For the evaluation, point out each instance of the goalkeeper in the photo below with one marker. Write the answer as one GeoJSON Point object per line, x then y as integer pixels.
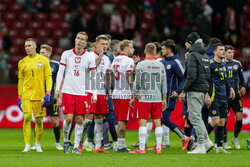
{"type": "Point", "coordinates": [33, 72]}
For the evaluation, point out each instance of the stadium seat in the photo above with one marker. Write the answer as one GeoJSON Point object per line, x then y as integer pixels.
{"type": "Point", "coordinates": [14, 51]}
{"type": "Point", "coordinates": [51, 41]}
{"type": "Point", "coordinates": [13, 33]}
{"type": "Point", "coordinates": [34, 25]}
{"type": "Point", "coordinates": [58, 51]}
{"type": "Point", "coordinates": [3, 8]}
{"type": "Point", "coordinates": [19, 25]}
{"type": "Point", "coordinates": [18, 42]}
{"type": "Point", "coordinates": [41, 33]}
{"type": "Point", "coordinates": [10, 16]}
{"type": "Point", "coordinates": [56, 17]}
{"type": "Point", "coordinates": [16, 8]}
{"type": "Point", "coordinates": [41, 16]}
{"type": "Point", "coordinates": [50, 25]}
{"type": "Point", "coordinates": [59, 33]}
{"type": "Point", "coordinates": [24, 16]}
{"type": "Point", "coordinates": [28, 34]}
{"type": "Point", "coordinates": [91, 9]}
{"type": "Point", "coordinates": [65, 26]}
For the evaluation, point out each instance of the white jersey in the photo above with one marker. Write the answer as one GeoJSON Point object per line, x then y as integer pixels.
{"type": "Point", "coordinates": [158, 58]}
{"type": "Point", "coordinates": [101, 70]}
{"type": "Point", "coordinates": [75, 68]}
{"type": "Point", "coordinates": [121, 65]}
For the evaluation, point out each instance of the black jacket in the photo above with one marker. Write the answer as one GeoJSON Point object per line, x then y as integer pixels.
{"type": "Point", "coordinates": [197, 73]}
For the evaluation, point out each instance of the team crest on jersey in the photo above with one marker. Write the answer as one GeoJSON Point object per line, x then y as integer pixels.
{"type": "Point", "coordinates": [229, 67]}
{"type": "Point", "coordinates": [77, 59]}
{"type": "Point", "coordinates": [168, 66]}
{"type": "Point", "coordinates": [51, 69]}
{"type": "Point", "coordinates": [216, 69]}
{"type": "Point", "coordinates": [40, 64]}
{"type": "Point", "coordinates": [224, 68]}
{"type": "Point", "coordinates": [214, 112]}
{"type": "Point", "coordinates": [235, 67]}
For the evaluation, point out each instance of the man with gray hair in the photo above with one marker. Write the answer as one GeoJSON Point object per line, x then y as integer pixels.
{"type": "Point", "coordinates": [196, 87]}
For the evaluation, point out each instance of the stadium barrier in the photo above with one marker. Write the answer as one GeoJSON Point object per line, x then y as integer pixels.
{"type": "Point", "coordinates": [12, 117]}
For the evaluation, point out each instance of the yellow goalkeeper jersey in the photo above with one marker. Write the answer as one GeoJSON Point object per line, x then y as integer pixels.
{"type": "Point", "coordinates": [33, 71]}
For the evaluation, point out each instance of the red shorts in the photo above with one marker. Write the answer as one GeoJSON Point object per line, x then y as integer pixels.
{"type": "Point", "coordinates": [74, 104]}
{"type": "Point", "coordinates": [135, 109]}
{"type": "Point", "coordinates": [145, 108]}
{"type": "Point", "coordinates": [122, 109]}
{"type": "Point", "coordinates": [101, 105]}
{"type": "Point", "coordinates": [91, 109]}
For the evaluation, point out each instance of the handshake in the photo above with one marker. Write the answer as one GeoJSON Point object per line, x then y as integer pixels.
{"type": "Point", "coordinates": [45, 101]}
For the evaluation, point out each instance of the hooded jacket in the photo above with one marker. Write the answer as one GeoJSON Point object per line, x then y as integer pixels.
{"type": "Point", "coordinates": [209, 52]}
{"type": "Point", "coordinates": [197, 71]}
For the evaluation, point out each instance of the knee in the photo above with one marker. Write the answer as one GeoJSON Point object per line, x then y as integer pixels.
{"type": "Point", "coordinates": [27, 117]}
{"type": "Point", "coordinates": [39, 121]}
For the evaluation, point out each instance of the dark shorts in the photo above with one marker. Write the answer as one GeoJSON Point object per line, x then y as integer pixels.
{"type": "Point", "coordinates": [52, 109]}
{"type": "Point", "coordinates": [185, 113]}
{"type": "Point", "coordinates": [218, 109]}
{"type": "Point", "coordinates": [236, 105]}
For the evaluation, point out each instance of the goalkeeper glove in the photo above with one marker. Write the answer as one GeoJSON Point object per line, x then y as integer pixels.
{"type": "Point", "coordinates": [20, 103]}
{"type": "Point", "coordinates": [46, 99]}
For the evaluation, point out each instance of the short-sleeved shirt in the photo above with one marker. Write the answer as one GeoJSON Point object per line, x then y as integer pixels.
{"type": "Point", "coordinates": [121, 65]}
{"type": "Point", "coordinates": [77, 68]}
{"type": "Point", "coordinates": [101, 70]}
{"type": "Point", "coordinates": [33, 71]}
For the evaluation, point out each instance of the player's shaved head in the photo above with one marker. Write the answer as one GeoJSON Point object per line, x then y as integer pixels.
{"type": "Point", "coordinates": [30, 40]}
{"type": "Point", "coordinates": [150, 49]}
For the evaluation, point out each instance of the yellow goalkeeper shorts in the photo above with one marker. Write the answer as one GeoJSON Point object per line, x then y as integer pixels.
{"type": "Point", "coordinates": [34, 105]}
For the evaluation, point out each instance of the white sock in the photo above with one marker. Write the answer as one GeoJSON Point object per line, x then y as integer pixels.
{"type": "Point", "coordinates": [166, 140]}
{"type": "Point", "coordinates": [99, 133]}
{"type": "Point", "coordinates": [121, 143]}
{"type": "Point", "coordinates": [158, 137]}
{"type": "Point", "coordinates": [86, 124]}
{"type": "Point", "coordinates": [78, 134]}
{"type": "Point", "coordinates": [149, 126]}
{"type": "Point", "coordinates": [142, 137]}
{"type": "Point", "coordinates": [116, 127]}
{"type": "Point", "coordinates": [66, 128]}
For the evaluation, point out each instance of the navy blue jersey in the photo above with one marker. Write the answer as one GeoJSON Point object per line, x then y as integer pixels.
{"type": "Point", "coordinates": [235, 76]}
{"type": "Point", "coordinates": [54, 69]}
{"type": "Point", "coordinates": [110, 56]}
{"type": "Point", "coordinates": [175, 78]}
{"type": "Point", "coordinates": [218, 83]}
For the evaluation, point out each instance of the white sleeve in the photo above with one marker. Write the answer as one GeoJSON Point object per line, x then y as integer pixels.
{"type": "Point", "coordinates": [130, 65]}
{"type": "Point", "coordinates": [92, 65]}
{"type": "Point", "coordinates": [61, 70]}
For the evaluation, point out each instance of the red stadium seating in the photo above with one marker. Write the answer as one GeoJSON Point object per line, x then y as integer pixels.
{"type": "Point", "coordinates": [18, 42]}
{"type": "Point", "coordinates": [65, 26]}
{"type": "Point", "coordinates": [24, 16]}
{"type": "Point", "coordinates": [19, 25]}
{"type": "Point", "coordinates": [16, 7]}
{"type": "Point", "coordinates": [9, 16]}
{"type": "Point", "coordinates": [40, 33]}
{"type": "Point", "coordinates": [56, 17]}
{"type": "Point", "coordinates": [35, 25]}
{"type": "Point", "coordinates": [28, 34]}
{"type": "Point", "coordinates": [50, 25]}
{"type": "Point", "coordinates": [13, 33]}
{"type": "Point", "coordinates": [58, 51]}
{"type": "Point", "coordinates": [41, 16]}
{"type": "Point", "coordinates": [14, 51]}
{"type": "Point", "coordinates": [51, 41]}
{"type": "Point", "coordinates": [3, 8]}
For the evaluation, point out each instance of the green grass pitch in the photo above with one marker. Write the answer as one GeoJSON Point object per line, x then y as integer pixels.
{"type": "Point", "coordinates": [12, 143]}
